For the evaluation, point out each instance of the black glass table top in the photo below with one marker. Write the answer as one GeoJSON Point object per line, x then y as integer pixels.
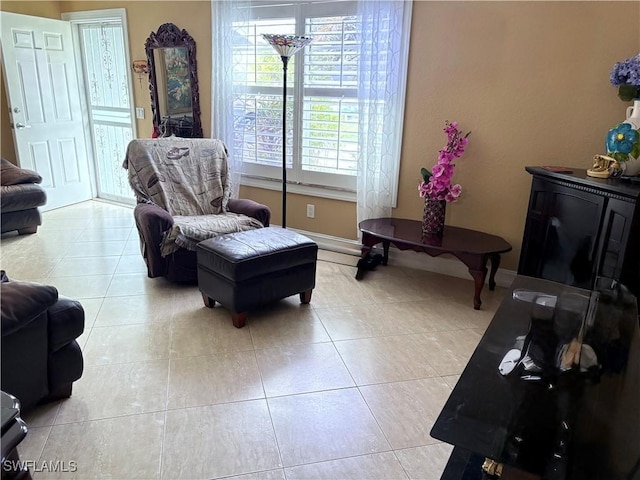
{"type": "Point", "coordinates": [553, 387]}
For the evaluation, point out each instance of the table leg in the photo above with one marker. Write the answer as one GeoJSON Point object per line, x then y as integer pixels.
{"type": "Point", "coordinates": [361, 262]}
{"type": "Point", "coordinates": [479, 277]}
{"type": "Point", "coordinates": [368, 241]}
{"type": "Point", "coordinates": [495, 263]}
{"type": "Point", "coordinates": [385, 251]}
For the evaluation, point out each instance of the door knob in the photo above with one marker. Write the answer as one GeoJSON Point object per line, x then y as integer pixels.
{"type": "Point", "coordinates": [20, 126]}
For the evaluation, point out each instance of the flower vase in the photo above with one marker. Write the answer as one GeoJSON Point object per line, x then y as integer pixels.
{"type": "Point", "coordinates": [433, 217]}
{"type": "Point", "coordinates": [632, 166]}
{"type": "Point", "coordinates": [633, 114]}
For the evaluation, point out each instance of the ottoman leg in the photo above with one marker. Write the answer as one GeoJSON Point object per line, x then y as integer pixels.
{"type": "Point", "coordinates": [239, 319]}
{"type": "Point", "coordinates": [208, 301]}
{"type": "Point", "coordinates": [305, 297]}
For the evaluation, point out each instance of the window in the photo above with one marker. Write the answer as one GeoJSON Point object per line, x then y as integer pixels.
{"type": "Point", "coordinates": [345, 95]}
{"type": "Point", "coordinates": [322, 103]}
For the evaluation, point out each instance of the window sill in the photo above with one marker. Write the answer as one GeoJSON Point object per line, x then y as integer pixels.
{"type": "Point", "coordinates": [310, 190]}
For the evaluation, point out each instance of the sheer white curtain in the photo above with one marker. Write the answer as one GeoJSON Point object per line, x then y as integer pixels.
{"type": "Point", "coordinates": [228, 19]}
{"type": "Point", "coordinates": [384, 46]}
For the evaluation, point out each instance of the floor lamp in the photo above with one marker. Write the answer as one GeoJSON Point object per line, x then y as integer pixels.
{"type": "Point", "coordinates": [286, 46]}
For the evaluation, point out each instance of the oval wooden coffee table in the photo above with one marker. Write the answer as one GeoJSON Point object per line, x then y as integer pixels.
{"type": "Point", "coordinates": [471, 247]}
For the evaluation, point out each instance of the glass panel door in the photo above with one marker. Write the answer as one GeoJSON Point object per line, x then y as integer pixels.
{"type": "Point", "coordinates": [108, 97]}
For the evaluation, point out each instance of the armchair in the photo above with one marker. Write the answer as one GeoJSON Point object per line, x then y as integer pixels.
{"type": "Point", "coordinates": [40, 356]}
{"type": "Point", "coordinates": [20, 197]}
{"type": "Point", "coordinates": [183, 187]}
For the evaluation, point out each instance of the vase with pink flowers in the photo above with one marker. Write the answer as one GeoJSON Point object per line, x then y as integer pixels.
{"type": "Point", "coordinates": [436, 186]}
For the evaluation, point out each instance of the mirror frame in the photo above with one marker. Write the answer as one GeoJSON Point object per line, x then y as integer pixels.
{"type": "Point", "coordinates": [169, 36]}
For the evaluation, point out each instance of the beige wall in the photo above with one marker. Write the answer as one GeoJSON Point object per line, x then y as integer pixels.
{"type": "Point", "coordinates": [530, 79]}
{"type": "Point", "coordinates": [145, 17]}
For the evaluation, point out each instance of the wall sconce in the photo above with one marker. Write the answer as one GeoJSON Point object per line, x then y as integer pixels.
{"type": "Point", "coordinates": [141, 67]}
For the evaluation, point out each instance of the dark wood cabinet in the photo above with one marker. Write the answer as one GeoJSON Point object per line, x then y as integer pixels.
{"type": "Point", "coordinates": [579, 228]}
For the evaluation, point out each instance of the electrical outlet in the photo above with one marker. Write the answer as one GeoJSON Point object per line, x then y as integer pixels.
{"type": "Point", "coordinates": [140, 112]}
{"type": "Point", "coordinates": [311, 211]}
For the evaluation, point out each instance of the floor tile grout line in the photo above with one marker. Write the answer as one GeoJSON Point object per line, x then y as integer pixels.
{"type": "Point", "coordinates": [337, 459]}
{"type": "Point", "coordinates": [354, 456]}
{"type": "Point", "coordinates": [406, 473]}
{"type": "Point", "coordinates": [225, 477]}
{"type": "Point", "coordinates": [331, 339]}
{"type": "Point", "coordinates": [44, 444]}
{"type": "Point", "coordinates": [166, 413]}
{"type": "Point", "coordinates": [111, 417]}
{"type": "Point", "coordinates": [266, 401]}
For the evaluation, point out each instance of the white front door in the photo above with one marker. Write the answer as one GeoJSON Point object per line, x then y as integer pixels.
{"type": "Point", "coordinates": [44, 101]}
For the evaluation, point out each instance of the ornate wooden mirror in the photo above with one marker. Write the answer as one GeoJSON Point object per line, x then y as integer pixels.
{"type": "Point", "coordinates": [173, 82]}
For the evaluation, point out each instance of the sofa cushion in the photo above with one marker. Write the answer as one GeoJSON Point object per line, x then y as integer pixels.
{"type": "Point", "coordinates": [13, 175]}
{"type": "Point", "coordinates": [15, 198]}
{"type": "Point", "coordinates": [21, 302]}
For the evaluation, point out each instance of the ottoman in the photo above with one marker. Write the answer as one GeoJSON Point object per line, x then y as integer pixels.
{"type": "Point", "coordinates": [245, 270]}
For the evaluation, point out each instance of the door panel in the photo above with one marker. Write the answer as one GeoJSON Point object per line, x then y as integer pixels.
{"type": "Point", "coordinates": [41, 160]}
{"type": "Point", "coordinates": [44, 100]}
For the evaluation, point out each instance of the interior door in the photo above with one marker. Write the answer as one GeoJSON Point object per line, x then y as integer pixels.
{"type": "Point", "coordinates": [44, 101]}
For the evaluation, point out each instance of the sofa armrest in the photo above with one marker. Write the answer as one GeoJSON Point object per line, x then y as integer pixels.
{"type": "Point", "coordinates": [65, 322]}
{"type": "Point", "coordinates": [13, 175]}
{"type": "Point", "coordinates": [251, 209]}
{"type": "Point", "coordinates": [22, 302]}
{"type": "Point", "coordinates": [152, 221]}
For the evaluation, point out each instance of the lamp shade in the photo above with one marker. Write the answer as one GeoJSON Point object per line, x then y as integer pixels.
{"type": "Point", "coordinates": [286, 45]}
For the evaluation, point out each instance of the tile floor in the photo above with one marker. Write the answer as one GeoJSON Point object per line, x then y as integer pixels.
{"type": "Point", "coordinates": [346, 387]}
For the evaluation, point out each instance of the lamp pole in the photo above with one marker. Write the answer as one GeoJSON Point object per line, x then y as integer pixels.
{"type": "Point", "coordinates": [286, 46]}
{"type": "Point", "coordinates": [285, 62]}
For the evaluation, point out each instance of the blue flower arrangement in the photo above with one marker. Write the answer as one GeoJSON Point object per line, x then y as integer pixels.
{"type": "Point", "coordinates": [626, 76]}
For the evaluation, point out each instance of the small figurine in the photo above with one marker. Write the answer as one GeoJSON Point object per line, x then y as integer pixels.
{"type": "Point", "coordinates": [604, 167]}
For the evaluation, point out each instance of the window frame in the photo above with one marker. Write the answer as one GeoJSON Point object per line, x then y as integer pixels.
{"type": "Point", "coordinates": [327, 185]}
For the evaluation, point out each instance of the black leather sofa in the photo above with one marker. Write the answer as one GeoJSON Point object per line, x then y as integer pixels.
{"type": "Point", "coordinates": [40, 355]}
{"type": "Point", "coordinates": [20, 197]}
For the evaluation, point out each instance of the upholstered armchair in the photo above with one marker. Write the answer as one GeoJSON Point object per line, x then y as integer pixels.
{"type": "Point", "coordinates": [183, 188]}
{"type": "Point", "coordinates": [40, 355]}
{"type": "Point", "coordinates": [20, 197]}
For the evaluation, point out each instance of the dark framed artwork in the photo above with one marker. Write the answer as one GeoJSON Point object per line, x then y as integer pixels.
{"type": "Point", "coordinates": [176, 63]}
{"type": "Point", "coordinates": [173, 78]}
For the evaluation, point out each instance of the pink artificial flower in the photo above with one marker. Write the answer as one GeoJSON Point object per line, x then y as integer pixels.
{"type": "Point", "coordinates": [438, 186]}
{"type": "Point", "coordinates": [422, 189]}
{"type": "Point", "coordinates": [456, 190]}
{"type": "Point", "coordinates": [438, 170]}
{"type": "Point", "coordinates": [444, 156]}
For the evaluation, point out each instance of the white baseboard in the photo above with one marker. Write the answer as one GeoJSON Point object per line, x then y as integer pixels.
{"type": "Point", "coordinates": [446, 266]}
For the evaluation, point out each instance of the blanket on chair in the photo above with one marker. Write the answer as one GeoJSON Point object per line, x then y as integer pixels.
{"type": "Point", "coordinates": [189, 178]}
